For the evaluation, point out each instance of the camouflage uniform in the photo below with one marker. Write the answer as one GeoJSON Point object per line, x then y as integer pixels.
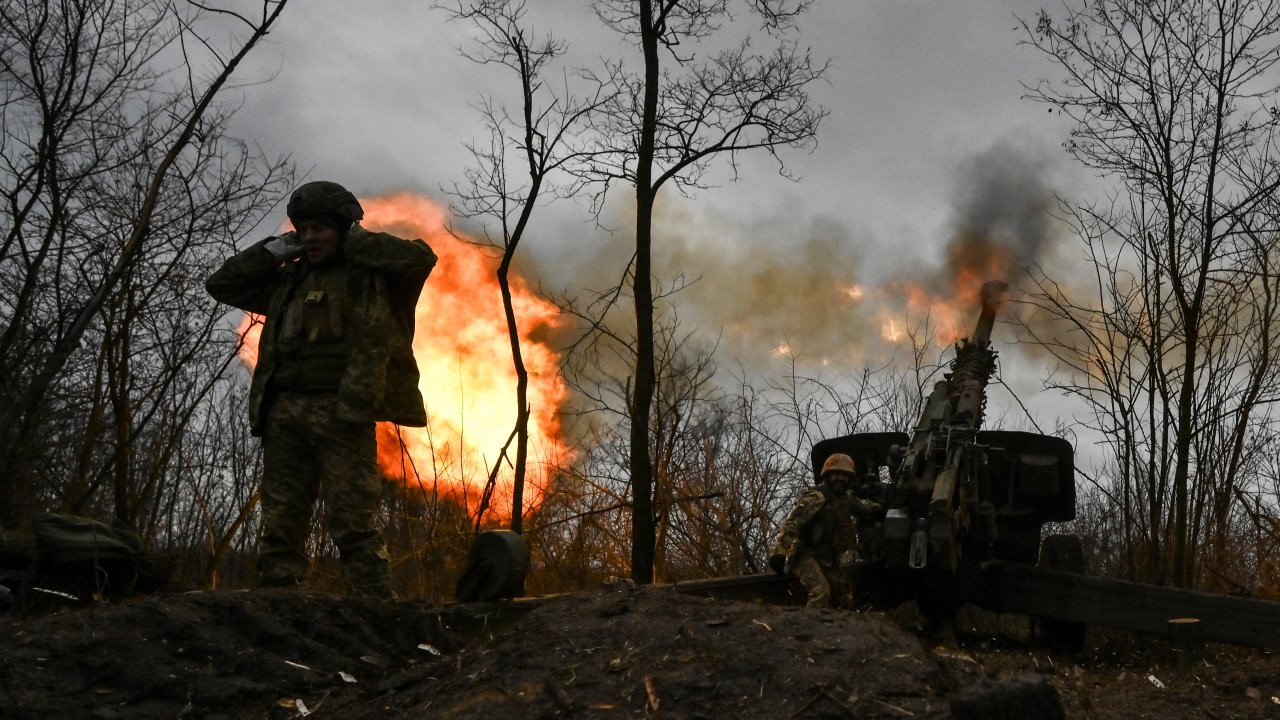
{"type": "Point", "coordinates": [819, 539]}
{"type": "Point", "coordinates": [335, 356]}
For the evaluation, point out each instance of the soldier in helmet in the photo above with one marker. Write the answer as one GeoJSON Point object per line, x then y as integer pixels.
{"type": "Point", "coordinates": [818, 540]}
{"type": "Point", "coordinates": [334, 357]}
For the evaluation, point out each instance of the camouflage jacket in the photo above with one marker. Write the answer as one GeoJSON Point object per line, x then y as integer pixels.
{"type": "Point", "coordinates": [820, 525]}
{"type": "Point", "coordinates": [384, 275]}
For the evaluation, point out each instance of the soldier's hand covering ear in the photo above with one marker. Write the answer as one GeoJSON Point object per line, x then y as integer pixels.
{"type": "Point", "coordinates": [284, 247]}
{"type": "Point", "coordinates": [778, 563]}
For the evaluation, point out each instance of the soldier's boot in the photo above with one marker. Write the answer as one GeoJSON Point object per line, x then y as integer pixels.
{"type": "Point", "coordinates": [366, 566]}
{"type": "Point", "coordinates": [376, 589]}
{"type": "Point", "coordinates": [818, 598]}
{"type": "Point", "coordinates": [281, 569]}
{"type": "Point", "coordinates": [267, 582]}
{"type": "Point", "coordinates": [279, 563]}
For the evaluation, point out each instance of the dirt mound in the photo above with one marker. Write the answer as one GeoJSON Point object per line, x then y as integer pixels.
{"type": "Point", "coordinates": [615, 652]}
{"type": "Point", "coordinates": [206, 655]}
{"type": "Point", "coordinates": [634, 653]}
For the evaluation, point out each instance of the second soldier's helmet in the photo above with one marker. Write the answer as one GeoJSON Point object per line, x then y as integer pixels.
{"type": "Point", "coordinates": [320, 198]}
{"type": "Point", "coordinates": [838, 462]}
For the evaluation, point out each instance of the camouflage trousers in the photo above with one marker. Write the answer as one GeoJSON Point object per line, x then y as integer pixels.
{"type": "Point", "coordinates": [307, 454]}
{"type": "Point", "coordinates": [827, 586]}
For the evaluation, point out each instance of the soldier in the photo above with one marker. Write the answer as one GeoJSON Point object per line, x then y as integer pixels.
{"type": "Point", "coordinates": [335, 356]}
{"type": "Point", "coordinates": [818, 539]}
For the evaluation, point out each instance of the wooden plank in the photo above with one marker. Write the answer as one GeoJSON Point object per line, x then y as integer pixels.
{"type": "Point", "coordinates": [765, 588]}
{"type": "Point", "coordinates": [1005, 587]}
{"type": "Point", "coordinates": [488, 617]}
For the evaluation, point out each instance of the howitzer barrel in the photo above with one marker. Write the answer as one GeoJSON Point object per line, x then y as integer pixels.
{"type": "Point", "coordinates": [974, 361]}
{"type": "Point", "coordinates": [992, 298]}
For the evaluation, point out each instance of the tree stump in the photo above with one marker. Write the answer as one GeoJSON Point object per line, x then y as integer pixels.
{"type": "Point", "coordinates": [1186, 641]}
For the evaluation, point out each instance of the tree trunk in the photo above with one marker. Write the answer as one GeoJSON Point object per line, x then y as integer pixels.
{"type": "Point", "coordinates": [522, 396]}
{"type": "Point", "coordinates": [642, 522]}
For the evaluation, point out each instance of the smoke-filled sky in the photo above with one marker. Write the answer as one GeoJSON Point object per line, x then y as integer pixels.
{"type": "Point", "coordinates": [929, 150]}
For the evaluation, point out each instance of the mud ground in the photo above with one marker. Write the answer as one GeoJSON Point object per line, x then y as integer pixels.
{"type": "Point", "coordinates": [613, 652]}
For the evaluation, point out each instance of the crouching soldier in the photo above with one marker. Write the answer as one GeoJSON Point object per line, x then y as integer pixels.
{"type": "Point", "coordinates": [818, 540]}
{"type": "Point", "coordinates": [335, 356]}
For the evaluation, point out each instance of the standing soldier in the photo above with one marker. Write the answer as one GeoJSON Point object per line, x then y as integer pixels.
{"type": "Point", "coordinates": [335, 356]}
{"type": "Point", "coordinates": [818, 539]}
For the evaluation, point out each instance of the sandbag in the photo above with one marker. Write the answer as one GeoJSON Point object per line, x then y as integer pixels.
{"type": "Point", "coordinates": [63, 539]}
{"type": "Point", "coordinates": [87, 558]}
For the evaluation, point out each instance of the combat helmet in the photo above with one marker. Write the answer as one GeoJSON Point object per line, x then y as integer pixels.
{"type": "Point", "coordinates": [321, 198]}
{"type": "Point", "coordinates": [838, 462]}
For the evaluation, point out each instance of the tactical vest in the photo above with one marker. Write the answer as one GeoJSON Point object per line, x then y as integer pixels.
{"type": "Point", "coordinates": [312, 348]}
{"type": "Point", "coordinates": [832, 530]}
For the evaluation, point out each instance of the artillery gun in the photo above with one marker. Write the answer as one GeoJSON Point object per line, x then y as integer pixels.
{"type": "Point", "coordinates": [963, 514]}
{"type": "Point", "coordinates": [955, 495]}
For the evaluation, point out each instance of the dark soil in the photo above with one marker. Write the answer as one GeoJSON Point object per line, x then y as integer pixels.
{"type": "Point", "coordinates": [615, 652]}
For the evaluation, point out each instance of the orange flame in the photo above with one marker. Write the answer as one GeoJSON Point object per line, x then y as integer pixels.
{"type": "Point", "coordinates": [468, 381]}
{"type": "Point", "coordinates": [951, 312]}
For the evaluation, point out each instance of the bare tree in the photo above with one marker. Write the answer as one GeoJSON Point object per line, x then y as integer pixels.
{"type": "Point", "coordinates": [502, 191]}
{"type": "Point", "coordinates": [1175, 350]}
{"type": "Point", "coordinates": [666, 125]}
{"type": "Point", "coordinates": [210, 513]}
{"type": "Point", "coordinates": [118, 186]}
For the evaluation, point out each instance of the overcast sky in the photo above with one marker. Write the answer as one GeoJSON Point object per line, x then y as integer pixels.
{"type": "Point", "coordinates": [926, 105]}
